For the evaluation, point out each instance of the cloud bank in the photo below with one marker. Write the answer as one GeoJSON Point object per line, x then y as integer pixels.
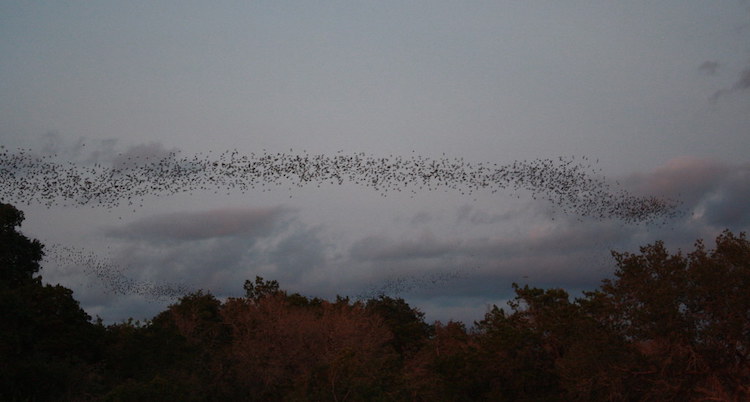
{"type": "Point", "coordinates": [215, 223]}
{"type": "Point", "coordinates": [467, 256]}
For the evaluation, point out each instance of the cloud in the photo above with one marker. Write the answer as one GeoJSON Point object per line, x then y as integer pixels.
{"type": "Point", "coordinates": [140, 153]}
{"type": "Point", "coordinates": [569, 252]}
{"type": "Point", "coordinates": [185, 226]}
{"type": "Point", "coordinates": [563, 254]}
{"type": "Point", "coordinates": [376, 248]}
{"type": "Point", "coordinates": [713, 192]}
{"type": "Point", "coordinates": [301, 251]}
{"type": "Point", "coordinates": [709, 67]}
{"type": "Point", "coordinates": [422, 268]}
{"type": "Point", "coordinates": [727, 206]}
{"type": "Point", "coordinates": [421, 218]}
{"type": "Point", "coordinates": [86, 151]}
{"type": "Point", "coordinates": [742, 84]}
{"type": "Point", "coordinates": [435, 261]}
{"type": "Point", "coordinates": [467, 213]}
{"type": "Point", "coordinates": [217, 250]}
{"type": "Point", "coordinates": [686, 178]}
{"type": "Point", "coordinates": [80, 150]}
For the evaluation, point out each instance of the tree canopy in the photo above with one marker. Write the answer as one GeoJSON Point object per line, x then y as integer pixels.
{"type": "Point", "coordinates": [19, 255]}
{"type": "Point", "coordinates": [47, 342]}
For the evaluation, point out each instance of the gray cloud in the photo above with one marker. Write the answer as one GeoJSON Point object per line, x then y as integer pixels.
{"type": "Point", "coordinates": [421, 218]}
{"type": "Point", "coordinates": [709, 67]}
{"type": "Point", "coordinates": [299, 253]}
{"type": "Point", "coordinates": [467, 213]}
{"type": "Point", "coordinates": [218, 250]}
{"type": "Point", "coordinates": [215, 223]}
{"type": "Point", "coordinates": [728, 205]}
{"type": "Point", "coordinates": [568, 252]}
{"type": "Point", "coordinates": [108, 151]}
{"type": "Point", "coordinates": [742, 84]}
{"type": "Point", "coordinates": [561, 255]}
{"type": "Point", "coordinates": [138, 154]}
{"type": "Point", "coordinates": [82, 150]}
{"type": "Point", "coordinates": [379, 248]}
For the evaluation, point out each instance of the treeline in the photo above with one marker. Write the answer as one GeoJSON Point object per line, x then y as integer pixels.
{"type": "Point", "coordinates": [666, 327]}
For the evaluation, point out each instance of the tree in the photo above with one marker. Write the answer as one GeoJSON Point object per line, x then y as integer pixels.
{"type": "Point", "coordinates": [687, 317]}
{"type": "Point", "coordinates": [260, 289]}
{"type": "Point", "coordinates": [406, 323]}
{"type": "Point", "coordinates": [185, 347]}
{"type": "Point", "coordinates": [329, 351]}
{"type": "Point", "coordinates": [448, 367]}
{"type": "Point", "coordinates": [519, 349]}
{"type": "Point", "coordinates": [19, 255]}
{"type": "Point", "coordinates": [47, 342]}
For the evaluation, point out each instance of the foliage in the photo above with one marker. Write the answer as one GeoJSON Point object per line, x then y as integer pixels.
{"type": "Point", "coordinates": [281, 348]}
{"type": "Point", "coordinates": [19, 255]}
{"type": "Point", "coordinates": [405, 323]}
{"type": "Point", "coordinates": [47, 342]}
{"type": "Point", "coordinates": [260, 288]}
{"type": "Point", "coordinates": [687, 316]}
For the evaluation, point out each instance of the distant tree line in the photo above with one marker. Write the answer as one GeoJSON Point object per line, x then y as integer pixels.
{"type": "Point", "coordinates": [666, 327]}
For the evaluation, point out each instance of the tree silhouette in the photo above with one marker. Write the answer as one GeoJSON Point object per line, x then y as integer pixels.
{"type": "Point", "coordinates": [46, 340]}
{"type": "Point", "coordinates": [260, 288]}
{"type": "Point", "coordinates": [405, 323]}
{"type": "Point", "coordinates": [688, 316]}
{"type": "Point", "coordinates": [19, 255]}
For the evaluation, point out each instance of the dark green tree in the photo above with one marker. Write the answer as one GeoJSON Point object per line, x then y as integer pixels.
{"type": "Point", "coordinates": [168, 358]}
{"type": "Point", "coordinates": [48, 344]}
{"type": "Point", "coordinates": [448, 367]}
{"type": "Point", "coordinates": [260, 288]}
{"type": "Point", "coordinates": [19, 255]}
{"type": "Point", "coordinates": [519, 348]}
{"type": "Point", "coordinates": [405, 323]}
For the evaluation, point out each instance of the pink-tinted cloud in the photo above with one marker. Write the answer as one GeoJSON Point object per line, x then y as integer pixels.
{"type": "Point", "coordinates": [685, 178]}
{"type": "Point", "coordinates": [711, 190]}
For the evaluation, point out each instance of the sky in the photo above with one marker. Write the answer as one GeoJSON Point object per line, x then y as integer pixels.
{"type": "Point", "coordinates": [649, 99]}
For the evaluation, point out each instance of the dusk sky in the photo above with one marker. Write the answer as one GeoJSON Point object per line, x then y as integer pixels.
{"type": "Point", "coordinates": [652, 98]}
